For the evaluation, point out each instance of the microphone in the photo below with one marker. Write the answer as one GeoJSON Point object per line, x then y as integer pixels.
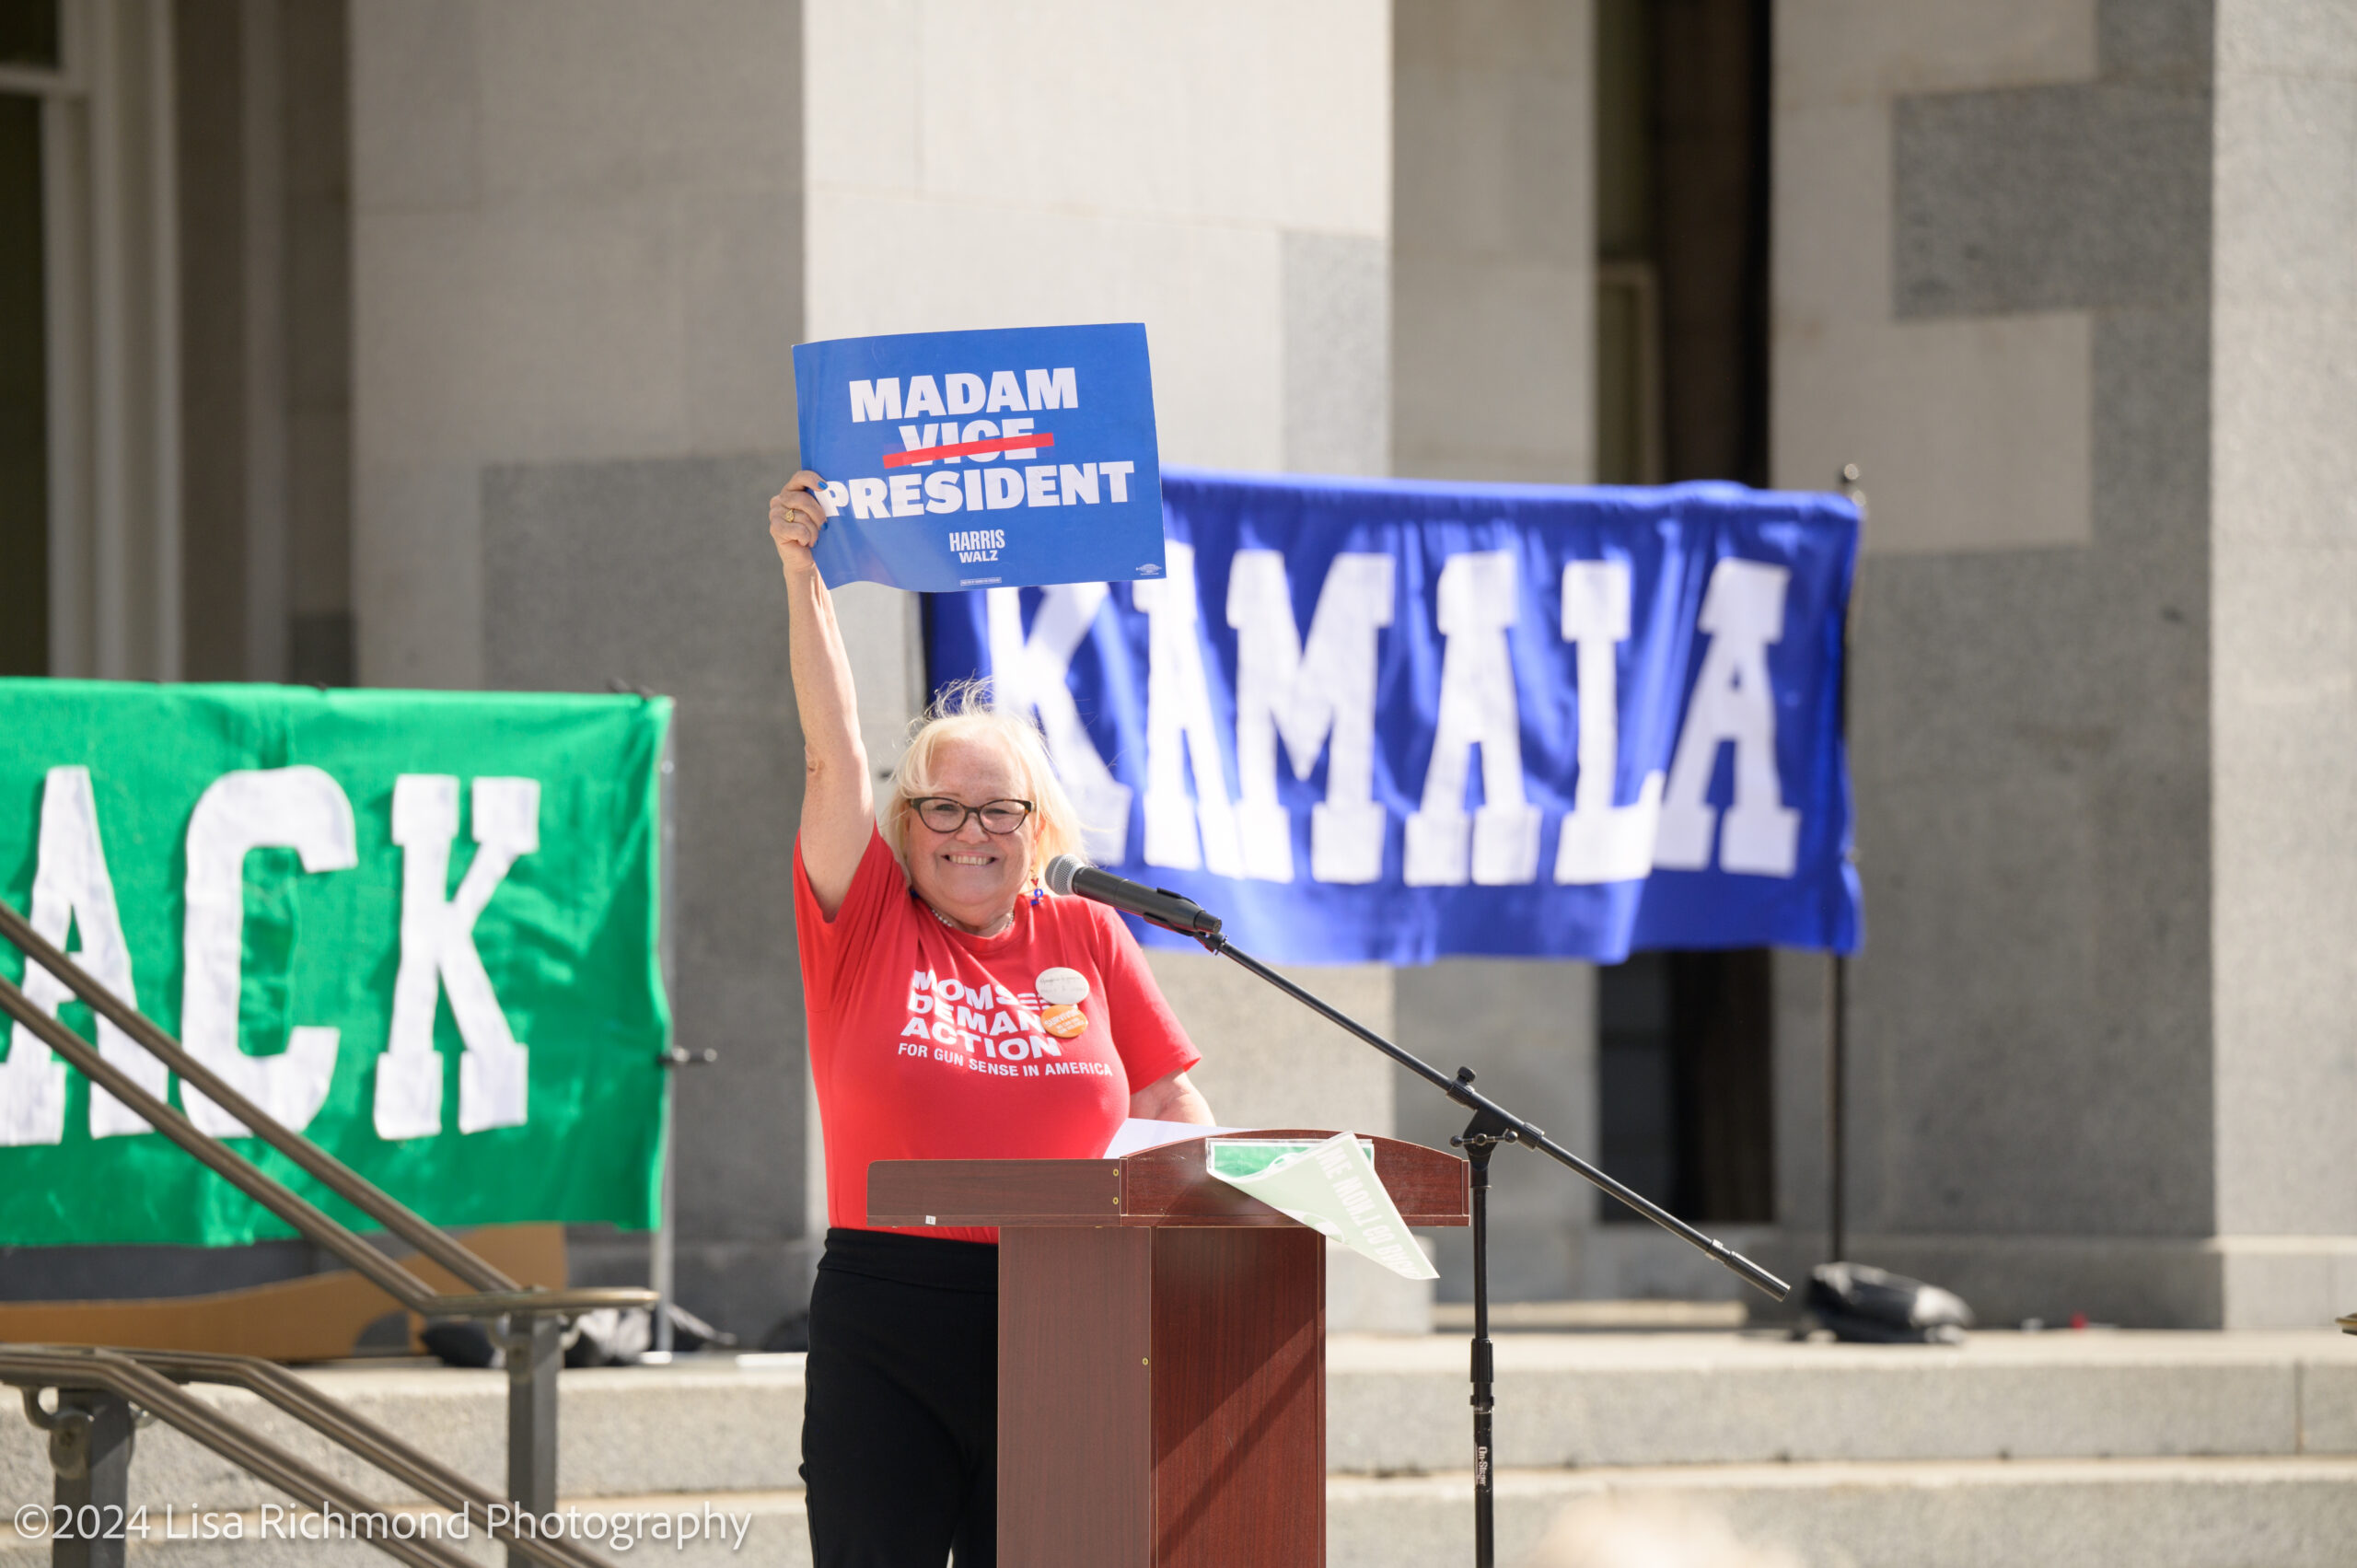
{"type": "Point", "coordinates": [1068, 874]}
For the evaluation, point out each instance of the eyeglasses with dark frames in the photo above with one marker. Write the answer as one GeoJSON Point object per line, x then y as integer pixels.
{"type": "Point", "coordinates": [946, 816]}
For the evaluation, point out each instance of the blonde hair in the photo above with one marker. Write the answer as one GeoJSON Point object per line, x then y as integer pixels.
{"type": "Point", "coordinates": [963, 710]}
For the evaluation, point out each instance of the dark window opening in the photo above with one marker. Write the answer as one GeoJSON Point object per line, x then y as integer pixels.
{"type": "Point", "coordinates": [24, 395]}
{"type": "Point", "coordinates": [30, 33]}
{"type": "Point", "coordinates": [261, 110]}
{"type": "Point", "coordinates": [1684, 1052]}
{"type": "Point", "coordinates": [1682, 241]}
{"type": "Point", "coordinates": [1686, 1100]}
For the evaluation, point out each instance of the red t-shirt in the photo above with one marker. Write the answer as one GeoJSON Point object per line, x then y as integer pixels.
{"type": "Point", "coordinates": [930, 1043]}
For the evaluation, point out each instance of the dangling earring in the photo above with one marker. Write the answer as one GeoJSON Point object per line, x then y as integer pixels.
{"type": "Point", "coordinates": [1037, 892]}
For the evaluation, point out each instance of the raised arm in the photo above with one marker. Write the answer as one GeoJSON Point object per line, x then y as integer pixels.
{"type": "Point", "coordinates": [837, 801]}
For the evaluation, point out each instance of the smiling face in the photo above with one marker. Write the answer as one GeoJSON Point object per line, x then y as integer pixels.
{"type": "Point", "coordinates": [971, 875]}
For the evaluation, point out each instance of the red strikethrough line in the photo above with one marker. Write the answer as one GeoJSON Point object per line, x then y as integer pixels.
{"type": "Point", "coordinates": [966, 449]}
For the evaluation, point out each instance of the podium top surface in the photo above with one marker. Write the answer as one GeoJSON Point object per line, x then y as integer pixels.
{"type": "Point", "coordinates": [1164, 1186]}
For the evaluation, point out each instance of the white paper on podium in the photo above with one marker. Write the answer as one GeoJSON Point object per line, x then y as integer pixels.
{"type": "Point", "coordinates": [1332, 1188]}
{"type": "Point", "coordinates": [1138, 1132]}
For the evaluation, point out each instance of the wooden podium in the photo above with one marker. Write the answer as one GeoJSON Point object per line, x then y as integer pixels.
{"type": "Point", "coordinates": [1161, 1349]}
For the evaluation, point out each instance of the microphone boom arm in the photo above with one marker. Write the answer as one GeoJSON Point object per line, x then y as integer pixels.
{"type": "Point", "coordinates": [1511, 1128]}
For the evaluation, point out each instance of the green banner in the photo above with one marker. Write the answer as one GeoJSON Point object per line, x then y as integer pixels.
{"type": "Point", "coordinates": [418, 927]}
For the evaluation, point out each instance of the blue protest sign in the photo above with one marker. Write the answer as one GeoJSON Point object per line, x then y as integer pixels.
{"type": "Point", "coordinates": [1006, 459]}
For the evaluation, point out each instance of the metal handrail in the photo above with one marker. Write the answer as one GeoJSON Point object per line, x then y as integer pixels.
{"type": "Point", "coordinates": [531, 1315]}
{"type": "Point", "coordinates": [37, 1368]}
{"type": "Point", "coordinates": [314, 1161]}
{"type": "Point", "coordinates": [353, 1433]}
{"type": "Point", "coordinates": [495, 1295]}
{"type": "Point", "coordinates": [307, 1217]}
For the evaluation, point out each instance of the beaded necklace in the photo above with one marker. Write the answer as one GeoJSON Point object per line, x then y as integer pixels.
{"type": "Point", "coordinates": [953, 925]}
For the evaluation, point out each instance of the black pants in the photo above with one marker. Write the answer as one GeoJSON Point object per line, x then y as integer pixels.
{"type": "Point", "coordinates": [899, 1413]}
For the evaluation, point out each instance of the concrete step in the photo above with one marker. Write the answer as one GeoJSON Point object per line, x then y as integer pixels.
{"type": "Point", "coordinates": [717, 1425]}
{"type": "Point", "coordinates": [1735, 1416]}
{"type": "Point", "coordinates": [746, 1529]}
{"type": "Point", "coordinates": [2294, 1513]}
{"type": "Point", "coordinates": [1616, 1400]}
{"type": "Point", "coordinates": [1593, 1317]}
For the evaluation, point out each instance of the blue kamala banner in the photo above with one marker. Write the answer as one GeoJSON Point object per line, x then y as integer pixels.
{"type": "Point", "coordinates": [1392, 720]}
{"type": "Point", "coordinates": [979, 460]}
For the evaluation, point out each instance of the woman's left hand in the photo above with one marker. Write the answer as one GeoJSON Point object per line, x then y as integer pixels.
{"type": "Point", "coordinates": [795, 518]}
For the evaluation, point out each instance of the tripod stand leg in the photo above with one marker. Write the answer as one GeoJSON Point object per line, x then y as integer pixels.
{"type": "Point", "coordinates": [1480, 1140]}
{"type": "Point", "coordinates": [1485, 1547]}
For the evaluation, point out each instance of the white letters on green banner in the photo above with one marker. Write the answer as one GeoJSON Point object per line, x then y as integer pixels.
{"type": "Point", "coordinates": [439, 955]}
{"type": "Point", "coordinates": [299, 809]}
{"type": "Point", "coordinates": [282, 870]}
{"type": "Point", "coordinates": [72, 892]}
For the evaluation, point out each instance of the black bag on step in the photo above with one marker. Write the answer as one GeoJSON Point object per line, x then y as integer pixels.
{"type": "Point", "coordinates": [1871, 1307]}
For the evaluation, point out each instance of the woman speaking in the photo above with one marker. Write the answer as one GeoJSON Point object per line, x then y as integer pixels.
{"type": "Point", "coordinates": [957, 1011]}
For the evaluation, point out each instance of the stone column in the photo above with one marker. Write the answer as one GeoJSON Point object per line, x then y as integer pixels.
{"type": "Point", "coordinates": [2283, 652]}
{"type": "Point", "coordinates": [577, 252]}
{"type": "Point", "coordinates": [2070, 282]}
{"type": "Point", "coordinates": [1494, 307]}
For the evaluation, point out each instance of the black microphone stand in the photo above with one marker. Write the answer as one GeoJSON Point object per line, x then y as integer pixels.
{"type": "Point", "coordinates": [1493, 1124]}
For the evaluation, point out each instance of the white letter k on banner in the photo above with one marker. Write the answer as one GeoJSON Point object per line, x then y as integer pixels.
{"type": "Point", "coordinates": [438, 953]}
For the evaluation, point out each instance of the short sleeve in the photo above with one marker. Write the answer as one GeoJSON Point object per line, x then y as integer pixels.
{"type": "Point", "coordinates": [828, 946]}
{"type": "Point", "coordinates": [1146, 1033]}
